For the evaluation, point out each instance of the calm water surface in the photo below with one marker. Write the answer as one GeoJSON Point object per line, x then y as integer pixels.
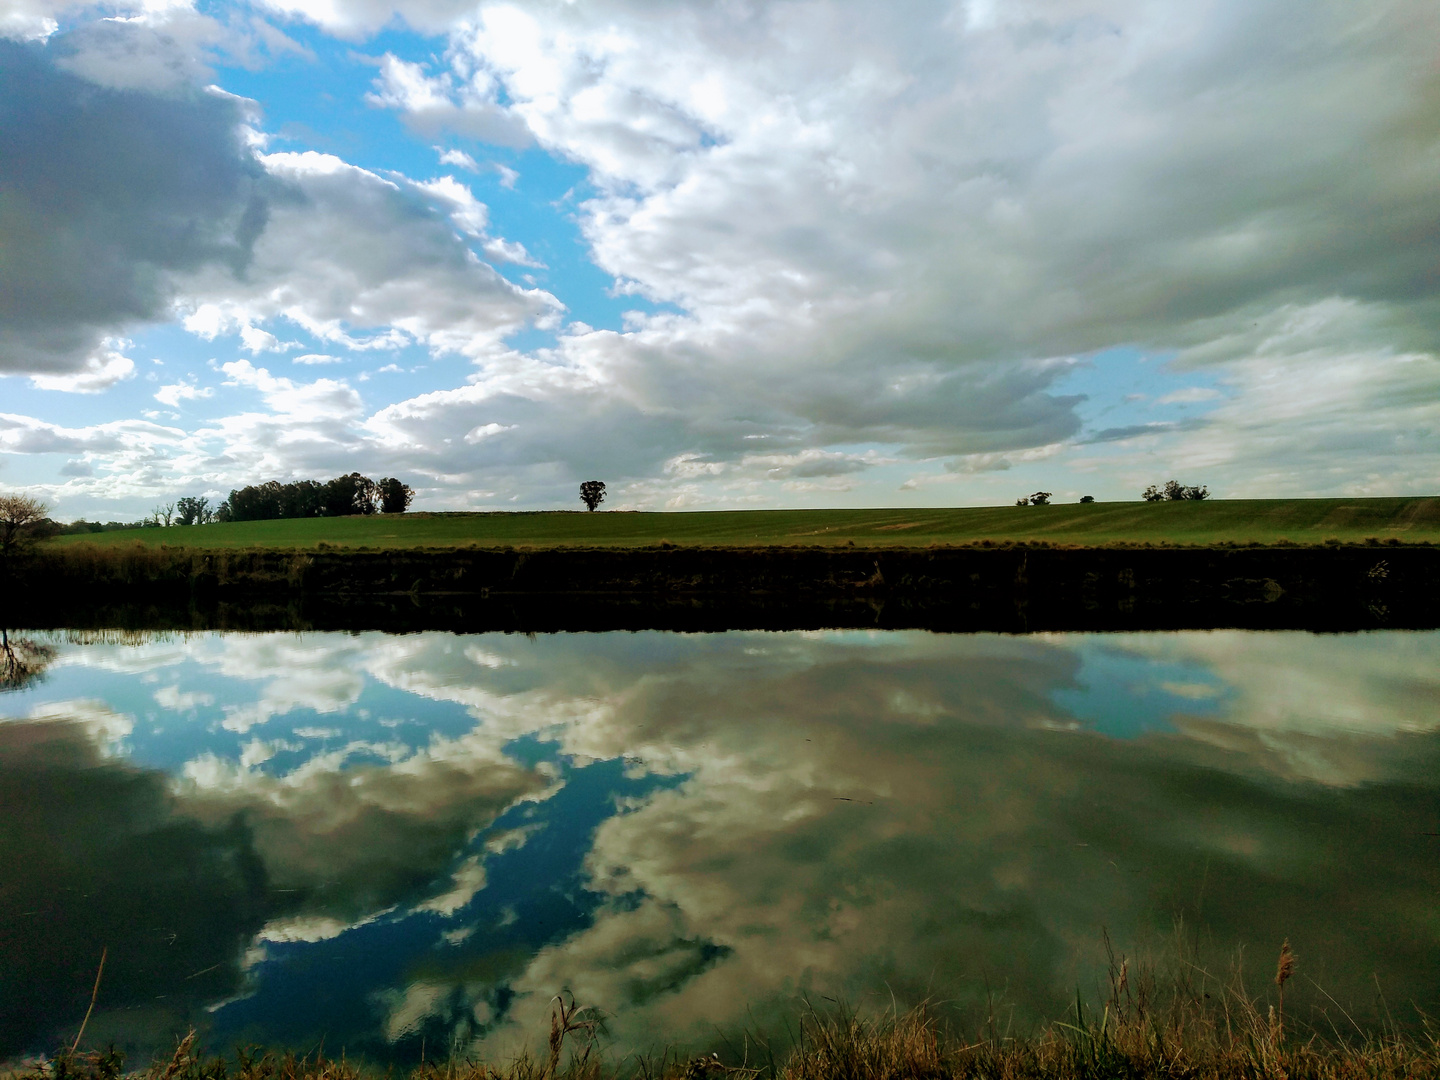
{"type": "Point", "coordinates": [389, 841]}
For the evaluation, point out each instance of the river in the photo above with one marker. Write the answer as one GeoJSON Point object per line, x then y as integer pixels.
{"type": "Point", "coordinates": [407, 844]}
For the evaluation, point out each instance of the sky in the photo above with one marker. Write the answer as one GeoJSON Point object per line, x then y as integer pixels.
{"type": "Point", "coordinates": [719, 253]}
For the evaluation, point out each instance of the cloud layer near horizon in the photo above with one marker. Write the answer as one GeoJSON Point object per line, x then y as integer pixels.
{"type": "Point", "coordinates": [871, 249]}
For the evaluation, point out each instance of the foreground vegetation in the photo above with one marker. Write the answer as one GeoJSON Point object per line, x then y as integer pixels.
{"type": "Point", "coordinates": [1188, 1027]}
{"type": "Point", "coordinates": [1235, 521]}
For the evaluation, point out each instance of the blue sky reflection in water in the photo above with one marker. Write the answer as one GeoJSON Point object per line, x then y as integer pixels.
{"type": "Point", "coordinates": [389, 841]}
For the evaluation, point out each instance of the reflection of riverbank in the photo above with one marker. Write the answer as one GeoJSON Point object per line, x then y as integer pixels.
{"type": "Point", "coordinates": [390, 841]}
{"type": "Point", "coordinates": [980, 587]}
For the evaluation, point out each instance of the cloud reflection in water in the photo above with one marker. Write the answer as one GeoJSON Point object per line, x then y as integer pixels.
{"type": "Point", "coordinates": [384, 840]}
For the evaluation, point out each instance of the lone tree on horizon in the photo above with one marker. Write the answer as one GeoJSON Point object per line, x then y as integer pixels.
{"type": "Point", "coordinates": [592, 493]}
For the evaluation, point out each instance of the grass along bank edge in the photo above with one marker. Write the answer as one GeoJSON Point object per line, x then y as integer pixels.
{"type": "Point", "coordinates": [1212, 522]}
{"type": "Point", "coordinates": [1188, 1023]}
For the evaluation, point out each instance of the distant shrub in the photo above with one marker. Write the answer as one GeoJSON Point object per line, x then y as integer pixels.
{"type": "Point", "coordinates": [1087, 499]}
{"type": "Point", "coordinates": [1174, 491]}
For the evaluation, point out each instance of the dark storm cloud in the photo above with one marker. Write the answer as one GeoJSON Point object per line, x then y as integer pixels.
{"type": "Point", "coordinates": [104, 194]}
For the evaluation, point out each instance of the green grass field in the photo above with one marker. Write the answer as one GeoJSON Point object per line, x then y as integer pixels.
{"type": "Point", "coordinates": [1243, 521]}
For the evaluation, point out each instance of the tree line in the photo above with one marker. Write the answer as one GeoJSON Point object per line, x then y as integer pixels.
{"type": "Point", "coordinates": [25, 518]}
{"type": "Point", "coordinates": [344, 496]}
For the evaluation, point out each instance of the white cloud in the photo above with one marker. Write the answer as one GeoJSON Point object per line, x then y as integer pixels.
{"type": "Point", "coordinates": [26, 435]}
{"type": "Point", "coordinates": [883, 222]}
{"type": "Point", "coordinates": [177, 700]}
{"type": "Point", "coordinates": [459, 159]}
{"type": "Point", "coordinates": [323, 398]}
{"type": "Point", "coordinates": [429, 103]}
{"type": "Point", "coordinates": [106, 728]}
{"type": "Point", "coordinates": [99, 373]}
{"type": "Point", "coordinates": [361, 261]}
{"type": "Point", "coordinates": [1191, 395]}
{"type": "Point", "coordinates": [116, 192]}
{"type": "Point", "coordinates": [27, 21]}
{"type": "Point", "coordinates": [880, 240]}
{"type": "Point", "coordinates": [486, 431]}
{"type": "Point", "coordinates": [174, 393]}
{"type": "Point", "coordinates": [258, 341]}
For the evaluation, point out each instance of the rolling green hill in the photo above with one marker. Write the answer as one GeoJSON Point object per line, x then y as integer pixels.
{"type": "Point", "coordinates": [1243, 521]}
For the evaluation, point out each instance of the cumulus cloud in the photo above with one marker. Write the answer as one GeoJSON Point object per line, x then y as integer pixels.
{"type": "Point", "coordinates": [174, 393]}
{"type": "Point", "coordinates": [854, 211]}
{"type": "Point", "coordinates": [368, 262]}
{"type": "Point", "coordinates": [99, 373]}
{"type": "Point", "coordinates": [24, 435]}
{"type": "Point", "coordinates": [1315, 403]}
{"type": "Point", "coordinates": [971, 173]}
{"type": "Point", "coordinates": [864, 234]}
{"type": "Point", "coordinates": [110, 193]}
{"type": "Point", "coordinates": [429, 103]}
{"type": "Point", "coordinates": [459, 159]}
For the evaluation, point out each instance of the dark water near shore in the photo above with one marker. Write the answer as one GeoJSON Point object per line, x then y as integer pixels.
{"type": "Point", "coordinates": [388, 841]}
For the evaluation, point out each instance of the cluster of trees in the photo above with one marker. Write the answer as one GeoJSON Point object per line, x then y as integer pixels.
{"type": "Point", "coordinates": [23, 518]}
{"type": "Point", "coordinates": [1040, 498]}
{"type": "Point", "coordinates": [82, 526]}
{"type": "Point", "coordinates": [342, 497]}
{"type": "Point", "coordinates": [186, 511]}
{"type": "Point", "coordinates": [1174, 491]}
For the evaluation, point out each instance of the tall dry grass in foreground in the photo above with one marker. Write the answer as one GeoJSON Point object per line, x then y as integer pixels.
{"type": "Point", "coordinates": [1190, 1026]}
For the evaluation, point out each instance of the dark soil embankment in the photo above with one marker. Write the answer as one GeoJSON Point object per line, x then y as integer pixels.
{"type": "Point", "coordinates": [1014, 589]}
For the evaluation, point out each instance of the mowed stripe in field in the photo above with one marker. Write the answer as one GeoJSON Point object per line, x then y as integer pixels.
{"type": "Point", "coordinates": [1302, 521]}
